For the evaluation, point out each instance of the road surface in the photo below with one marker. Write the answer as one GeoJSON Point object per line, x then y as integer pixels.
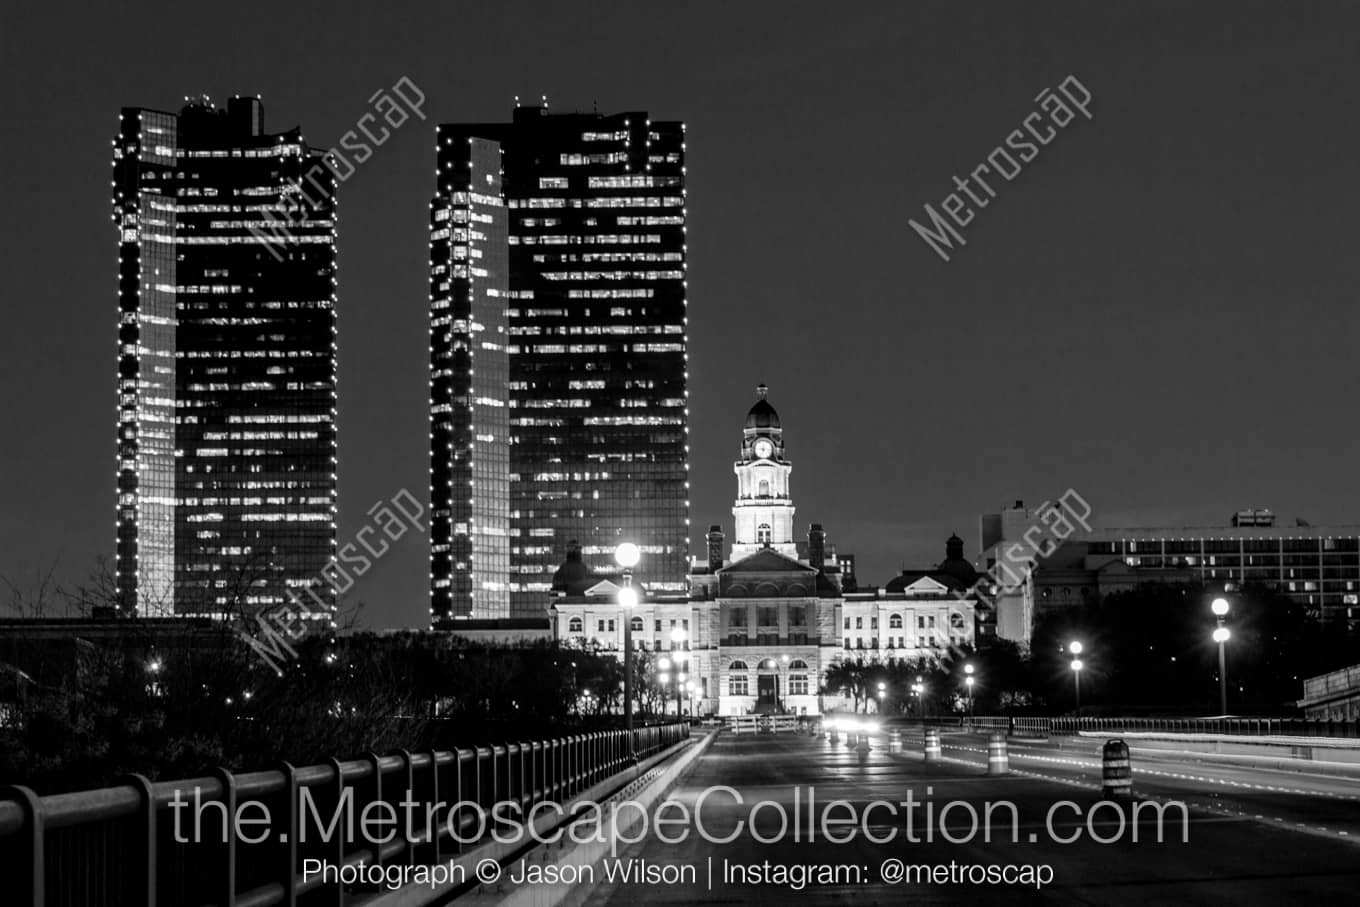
{"type": "Point", "coordinates": [1252, 835]}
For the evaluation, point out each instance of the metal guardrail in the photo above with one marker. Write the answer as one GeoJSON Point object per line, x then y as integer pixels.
{"type": "Point", "coordinates": [1064, 726]}
{"type": "Point", "coordinates": [117, 845]}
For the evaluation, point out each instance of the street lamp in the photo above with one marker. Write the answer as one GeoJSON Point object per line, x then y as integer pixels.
{"type": "Point", "coordinates": [919, 690]}
{"type": "Point", "coordinates": [627, 555]}
{"type": "Point", "coordinates": [1075, 648]}
{"type": "Point", "coordinates": [968, 682]}
{"type": "Point", "coordinates": [1221, 636]}
{"type": "Point", "coordinates": [677, 644]}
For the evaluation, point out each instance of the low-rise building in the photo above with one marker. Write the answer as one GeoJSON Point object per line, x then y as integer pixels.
{"type": "Point", "coordinates": [1332, 697]}
{"type": "Point", "coordinates": [1317, 566]}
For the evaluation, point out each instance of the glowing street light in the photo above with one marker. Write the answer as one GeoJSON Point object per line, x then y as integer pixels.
{"type": "Point", "coordinates": [1221, 636]}
{"type": "Point", "coordinates": [1075, 648]}
{"type": "Point", "coordinates": [627, 555]}
{"type": "Point", "coordinates": [968, 682]}
{"type": "Point", "coordinates": [678, 636]}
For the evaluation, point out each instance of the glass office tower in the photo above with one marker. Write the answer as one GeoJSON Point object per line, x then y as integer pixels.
{"type": "Point", "coordinates": [226, 366]}
{"type": "Point", "coordinates": [596, 317]}
{"type": "Point", "coordinates": [469, 433]}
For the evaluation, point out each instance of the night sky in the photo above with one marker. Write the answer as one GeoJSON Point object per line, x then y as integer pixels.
{"type": "Point", "coordinates": [1159, 311]}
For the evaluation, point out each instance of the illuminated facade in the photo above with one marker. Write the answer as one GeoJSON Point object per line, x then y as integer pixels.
{"type": "Point", "coordinates": [469, 432]}
{"type": "Point", "coordinates": [598, 419]}
{"type": "Point", "coordinates": [226, 367]}
{"type": "Point", "coordinates": [759, 629]}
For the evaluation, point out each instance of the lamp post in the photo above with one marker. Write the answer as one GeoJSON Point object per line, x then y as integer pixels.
{"type": "Point", "coordinates": [1075, 648]}
{"type": "Point", "coordinates": [677, 642]}
{"type": "Point", "coordinates": [882, 693]}
{"type": "Point", "coordinates": [919, 690]}
{"type": "Point", "coordinates": [1221, 636]}
{"type": "Point", "coordinates": [663, 678]}
{"type": "Point", "coordinates": [968, 682]}
{"type": "Point", "coordinates": [626, 556]}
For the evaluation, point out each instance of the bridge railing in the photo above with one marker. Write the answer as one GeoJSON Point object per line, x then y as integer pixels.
{"type": "Point", "coordinates": [1070, 725]}
{"type": "Point", "coordinates": [127, 844]}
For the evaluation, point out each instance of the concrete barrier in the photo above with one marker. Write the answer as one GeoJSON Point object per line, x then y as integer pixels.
{"type": "Point", "coordinates": [1320, 749]}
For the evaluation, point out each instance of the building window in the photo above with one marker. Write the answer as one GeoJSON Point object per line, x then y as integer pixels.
{"type": "Point", "coordinates": [636, 624]}
{"type": "Point", "coordinates": [847, 642]}
{"type": "Point", "coordinates": [763, 534]}
{"type": "Point", "coordinates": [798, 685]}
{"type": "Point", "coordinates": [611, 626]}
{"type": "Point", "coordinates": [601, 627]}
{"type": "Point", "coordinates": [847, 623]}
{"type": "Point", "coordinates": [920, 623]}
{"type": "Point", "coordinates": [738, 681]}
{"type": "Point", "coordinates": [873, 623]}
{"type": "Point", "coordinates": [895, 622]}
{"type": "Point", "coordinates": [859, 623]}
{"type": "Point", "coordinates": [575, 625]}
{"type": "Point", "coordinates": [763, 489]}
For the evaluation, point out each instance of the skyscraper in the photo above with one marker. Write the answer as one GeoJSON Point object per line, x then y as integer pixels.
{"type": "Point", "coordinates": [469, 436]}
{"type": "Point", "coordinates": [226, 365]}
{"type": "Point", "coordinates": [596, 324]}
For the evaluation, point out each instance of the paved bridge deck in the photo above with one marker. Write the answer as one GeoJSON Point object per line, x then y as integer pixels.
{"type": "Point", "coordinates": [1255, 835]}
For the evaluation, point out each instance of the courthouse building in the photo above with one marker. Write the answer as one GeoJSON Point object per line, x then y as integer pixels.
{"type": "Point", "coordinates": [763, 621]}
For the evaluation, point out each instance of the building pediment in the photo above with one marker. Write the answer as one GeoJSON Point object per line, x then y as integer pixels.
{"type": "Point", "coordinates": [766, 560]}
{"type": "Point", "coordinates": [926, 586]}
{"type": "Point", "coordinates": [604, 589]}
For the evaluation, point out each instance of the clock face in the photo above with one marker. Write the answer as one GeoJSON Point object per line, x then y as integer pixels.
{"type": "Point", "coordinates": [764, 448]}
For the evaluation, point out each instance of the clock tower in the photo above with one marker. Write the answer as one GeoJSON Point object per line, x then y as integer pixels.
{"type": "Point", "coordinates": [763, 511]}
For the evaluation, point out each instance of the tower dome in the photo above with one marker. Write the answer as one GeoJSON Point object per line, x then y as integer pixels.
{"type": "Point", "coordinates": [762, 416]}
{"type": "Point", "coordinates": [573, 577]}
